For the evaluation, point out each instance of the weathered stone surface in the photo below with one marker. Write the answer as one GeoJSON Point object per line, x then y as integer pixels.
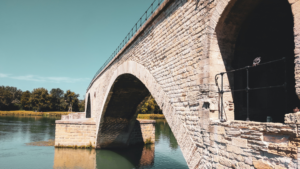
{"type": "Point", "coordinates": [262, 165]}
{"type": "Point", "coordinates": [240, 142]}
{"type": "Point", "coordinates": [75, 135]}
{"type": "Point", "coordinates": [242, 165]}
{"type": "Point", "coordinates": [82, 132]}
{"type": "Point", "coordinates": [233, 132]}
{"type": "Point", "coordinates": [292, 118]}
{"type": "Point", "coordinates": [248, 160]}
{"type": "Point", "coordinates": [279, 167]}
{"type": "Point", "coordinates": [225, 162]}
{"type": "Point", "coordinates": [276, 138]}
{"type": "Point", "coordinates": [216, 130]}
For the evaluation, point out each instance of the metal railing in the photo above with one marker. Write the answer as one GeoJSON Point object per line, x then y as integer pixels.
{"type": "Point", "coordinates": [148, 13]}
{"type": "Point", "coordinates": [248, 89]}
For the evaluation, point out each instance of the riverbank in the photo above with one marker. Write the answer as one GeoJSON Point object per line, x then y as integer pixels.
{"type": "Point", "coordinates": [32, 113]}
{"type": "Point", "coordinates": [151, 116]}
{"type": "Point", "coordinates": [58, 114]}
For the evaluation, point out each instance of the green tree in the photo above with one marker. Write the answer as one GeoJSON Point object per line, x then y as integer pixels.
{"type": "Point", "coordinates": [16, 93]}
{"type": "Point", "coordinates": [5, 98]}
{"type": "Point", "coordinates": [149, 106]}
{"type": "Point", "coordinates": [25, 100]}
{"type": "Point", "coordinates": [16, 97]}
{"type": "Point", "coordinates": [56, 97]}
{"type": "Point", "coordinates": [81, 105]}
{"type": "Point", "coordinates": [72, 99]}
{"type": "Point", "coordinates": [10, 98]}
{"type": "Point", "coordinates": [40, 99]}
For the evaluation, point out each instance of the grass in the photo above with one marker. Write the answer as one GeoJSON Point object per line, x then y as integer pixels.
{"type": "Point", "coordinates": [148, 141]}
{"type": "Point", "coordinates": [151, 116]}
{"type": "Point", "coordinates": [90, 146]}
{"type": "Point", "coordinates": [32, 113]}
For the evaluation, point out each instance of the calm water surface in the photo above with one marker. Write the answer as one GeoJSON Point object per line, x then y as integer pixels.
{"type": "Point", "coordinates": [14, 153]}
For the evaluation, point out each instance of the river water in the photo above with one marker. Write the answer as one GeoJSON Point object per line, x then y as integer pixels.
{"type": "Point", "coordinates": [15, 132]}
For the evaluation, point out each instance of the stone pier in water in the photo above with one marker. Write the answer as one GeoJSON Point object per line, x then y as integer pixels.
{"type": "Point", "coordinates": [74, 130]}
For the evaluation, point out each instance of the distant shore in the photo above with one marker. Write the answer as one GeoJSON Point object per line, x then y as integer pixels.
{"type": "Point", "coordinates": [151, 116]}
{"type": "Point", "coordinates": [32, 113]}
{"type": "Point", "coordinates": [55, 113]}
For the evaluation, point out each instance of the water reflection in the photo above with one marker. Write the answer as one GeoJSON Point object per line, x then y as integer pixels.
{"type": "Point", "coordinates": [16, 131]}
{"type": "Point", "coordinates": [133, 157]}
{"type": "Point", "coordinates": [139, 156]}
{"type": "Point", "coordinates": [74, 158]}
{"type": "Point", "coordinates": [163, 130]}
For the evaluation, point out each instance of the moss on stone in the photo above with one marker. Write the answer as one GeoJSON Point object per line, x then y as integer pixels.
{"type": "Point", "coordinates": [42, 143]}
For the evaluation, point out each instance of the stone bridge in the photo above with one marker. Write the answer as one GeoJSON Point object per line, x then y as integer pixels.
{"type": "Point", "coordinates": [175, 57]}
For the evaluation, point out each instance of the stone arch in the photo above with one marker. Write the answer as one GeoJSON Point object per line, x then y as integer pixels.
{"type": "Point", "coordinates": [143, 75]}
{"type": "Point", "coordinates": [230, 20]}
{"type": "Point", "coordinates": [88, 107]}
{"type": "Point", "coordinates": [119, 113]}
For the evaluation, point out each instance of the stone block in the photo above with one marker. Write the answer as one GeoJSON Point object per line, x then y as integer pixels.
{"type": "Point", "coordinates": [216, 158]}
{"type": "Point", "coordinates": [225, 162]}
{"type": "Point", "coordinates": [219, 166]}
{"type": "Point", "coordinates": [233, 132]}
{"type": "Point", "coordinates": [240, 142]}
{"type": "Point", "coordinates": [279, 167]}
{"type": "Point", "coordinates": [216, 129]}
{"type": "Point", "coordinates": [242, 165]}
{"type": "Point", "coordinates": [282, 139]}
{"type": "Point", "coordinates": [248, 160]}
{"type": "Point", "coordinates": [238, 157]}
{"type": "Point", "coordinates": [259, 164]}
{"type": "Point", "coordinates": [292, 118]}
{"type": "Point", "coordinates": [217, 138]}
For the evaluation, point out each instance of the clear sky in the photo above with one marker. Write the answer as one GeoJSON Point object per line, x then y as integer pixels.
{"type": "Point", "coordinates": [61, 43]}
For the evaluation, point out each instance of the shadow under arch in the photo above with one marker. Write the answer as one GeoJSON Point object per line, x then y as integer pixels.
{"type": "Point", "coordinates": [180, 132]}
{"type": "Point", "coordinates": [88, 107]}
{"type": "Point", "coordinates": [119, 113]}
{"type": "Point", "coordinates": [258, 28]}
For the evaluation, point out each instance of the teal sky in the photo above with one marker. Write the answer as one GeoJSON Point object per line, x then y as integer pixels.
{"type": "Point", "coordinates": [61, 43]}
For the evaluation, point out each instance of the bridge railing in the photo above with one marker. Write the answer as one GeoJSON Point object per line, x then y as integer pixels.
{"type": "Point", "coordinates": [148, 13]}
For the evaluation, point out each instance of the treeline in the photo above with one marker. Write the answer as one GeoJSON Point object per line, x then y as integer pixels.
{"type": "Point", "coordinates": [40, 99]}
{"type": "Point", "coordinates": [149, 106]}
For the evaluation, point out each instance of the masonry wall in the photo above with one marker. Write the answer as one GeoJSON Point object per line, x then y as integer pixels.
{"type": "Point", "coordinates": [81, 133]}
{"type": "Point", "coordinates": [118, 134]}
{"type": "Point", "coordinates": [143, 132]}
{"type": "Point", "coordinates": [240, 144]}
{"type": "Point", "coordinates": [177, 56]}
{"type": "Point", "coordinates": [75, 135]}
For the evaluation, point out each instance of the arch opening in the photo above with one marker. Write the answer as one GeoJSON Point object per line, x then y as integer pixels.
{"type": "Point", "coordinates": [121, 131]}
{"type": "Point", "coordinates": [88, 107]}
{"type": "Point", "coordinates": [119, 114]}
{"type": "Point", "coordinates": [259, 28]}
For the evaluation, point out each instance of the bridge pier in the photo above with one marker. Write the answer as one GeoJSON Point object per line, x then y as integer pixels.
{"type": "Point", "coordinates": [75, 131]}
